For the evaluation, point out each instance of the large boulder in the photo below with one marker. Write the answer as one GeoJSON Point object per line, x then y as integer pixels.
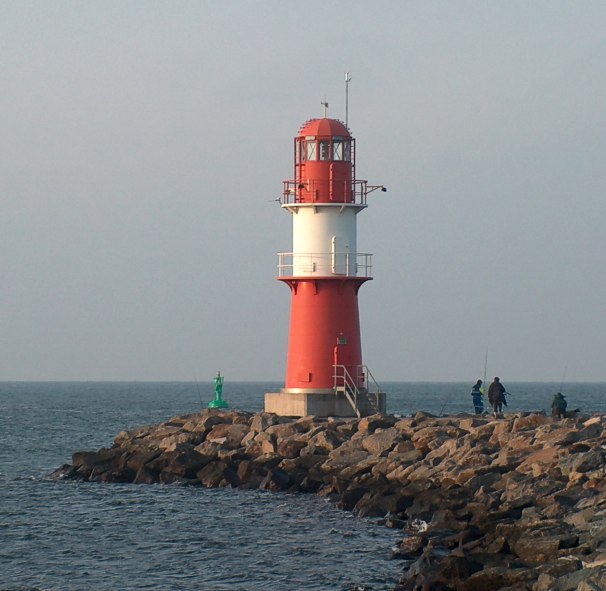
{"type": "Point", "coordinates": [327, 440]}
{"type": "Point", "coordinates": [275, 480]}
{"type": "Point", "coordinates": [538, 462]}
{"type": "Point", "coordinates": [179, 439]}
{"type": "Point", "coordinates": [381, 442]}
{"type": "Point", "coordinates": [341, 459]}
{"type": "Point", "coordinates": [582, 462]}
{"type": "Point", "coordinates": [213, 475]}
{"type": "Point", "coordinates": [228, 434]}
{"type": "Point", "coordinates": [262, 421]}
{"type": "Point", "coordinates": [368, 425]}
{"type": "Point", "coordinates": [529, 422]}
{"type": "Point", "coordinates": [291, 447]}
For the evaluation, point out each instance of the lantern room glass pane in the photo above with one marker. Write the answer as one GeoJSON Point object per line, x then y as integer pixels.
{"type": "Point", "coordinates": [310, 147]}
{"type": "Point", "coordinates": [324, 150]}
{"type": "Point", "coordinates": [337, 150]}
{"type": "Point", "coordinates": [301, 151]}
{"type": "Point", "coordinates": [347, 151]}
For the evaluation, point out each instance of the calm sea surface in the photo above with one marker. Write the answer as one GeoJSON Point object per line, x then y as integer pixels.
{"type": "Point", "coordinates": [74, 536]}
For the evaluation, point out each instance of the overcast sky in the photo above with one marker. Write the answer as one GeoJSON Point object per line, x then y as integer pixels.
{"type": "Point", "coordinates": [143, 145]}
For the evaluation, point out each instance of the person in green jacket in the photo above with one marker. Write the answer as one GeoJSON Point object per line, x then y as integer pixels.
{"type": "Point", "coordinates": [558, 406]}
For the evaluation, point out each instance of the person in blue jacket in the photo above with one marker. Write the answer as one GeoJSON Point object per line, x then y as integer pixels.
{"type": "Point", "coordinates": [476, 397]}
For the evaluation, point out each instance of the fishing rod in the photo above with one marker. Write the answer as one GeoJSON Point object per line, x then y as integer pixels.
{"type": "Point", "coordinates": [198, 389]}
{"type": "Point", "coordinates": [507, 392]}
{"type": "Point", "coordinates": [562, 382]}
{"type": "Point", "coordinates": [485, 367]}
{"type": "Point", "coordinates": [190, 367]}
{"type": "Point", "coordinates": [445, 403]}
{"type": "Point", "coordinates": [447, 399]}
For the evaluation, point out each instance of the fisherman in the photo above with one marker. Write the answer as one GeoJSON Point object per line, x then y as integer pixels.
{"type": "Point", "coordinates": [496, 396]}
{"type": "Point", "coordinates": [476, 393]}
{"type": "Point", "coordinates": [558, 406]}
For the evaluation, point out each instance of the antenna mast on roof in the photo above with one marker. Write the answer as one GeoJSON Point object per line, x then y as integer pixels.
{"type": "Point", "coordinates": [347, 81]}
{"type": "Point", "coordinates": [325, 105]}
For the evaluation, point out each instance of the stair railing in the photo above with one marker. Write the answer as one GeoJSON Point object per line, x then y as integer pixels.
{"type": "Point", "coordinates": [376, 388]}
{"type": "Point", "coordinates": [344, 383]}
{"type": "Point", "coordinates": [354, 390]}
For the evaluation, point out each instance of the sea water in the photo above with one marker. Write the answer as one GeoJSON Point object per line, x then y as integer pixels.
{"type": "Point", "coordinates": [63, 535]}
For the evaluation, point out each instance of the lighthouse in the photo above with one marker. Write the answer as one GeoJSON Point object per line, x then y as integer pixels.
{"type": "Point", "coordinates": [325, 373]}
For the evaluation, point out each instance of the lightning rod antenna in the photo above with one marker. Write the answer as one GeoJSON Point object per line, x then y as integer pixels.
{"type": "Point", "coordinates": [325, 105]}
{"type": "Point", "coordinates": [347, 81]}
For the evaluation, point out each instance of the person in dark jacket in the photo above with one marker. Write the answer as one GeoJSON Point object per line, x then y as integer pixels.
{"type": "Point", "coordinates": [476, 397]}
{"type": "Point", "coordinates": [496, 396]}
{"type": "Point", "coordinates": [558, 406]}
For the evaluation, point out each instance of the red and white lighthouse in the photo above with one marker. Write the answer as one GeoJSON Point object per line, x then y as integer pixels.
{"type": "Point", "coordinates": [325, 374]}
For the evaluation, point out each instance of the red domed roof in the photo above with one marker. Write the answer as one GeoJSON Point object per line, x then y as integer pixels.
{"type": "Point", "coordinates": [324, 127]}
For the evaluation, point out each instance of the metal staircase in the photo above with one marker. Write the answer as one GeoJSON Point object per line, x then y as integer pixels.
{"type": "Point", "coordinates": [362, 400]}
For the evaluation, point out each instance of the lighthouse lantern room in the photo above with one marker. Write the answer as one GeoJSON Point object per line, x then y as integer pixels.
{"type": "Point", "coordinates": [325, 375]}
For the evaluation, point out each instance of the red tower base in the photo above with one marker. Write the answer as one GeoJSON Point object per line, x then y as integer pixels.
{"type": "Point", "coordinates": [324, 332]}
{"type": "Point", "coordinates": [324, 352]}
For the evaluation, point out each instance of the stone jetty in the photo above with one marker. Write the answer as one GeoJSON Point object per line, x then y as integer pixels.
{"type": "Point", "coordinates": [514, 503]}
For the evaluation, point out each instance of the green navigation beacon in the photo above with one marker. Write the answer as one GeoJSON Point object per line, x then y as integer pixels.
{"type": "Point", "coordinates": [218, 402]}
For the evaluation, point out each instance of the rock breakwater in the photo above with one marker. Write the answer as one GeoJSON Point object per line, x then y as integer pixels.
{"type": "Point", "coordinates": [515, 503]}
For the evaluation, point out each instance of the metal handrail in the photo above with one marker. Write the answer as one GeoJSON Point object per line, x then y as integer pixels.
{"type": "Point", "coordinates": [345, 383]}
{"type": "Point", "coordinates": [312, 191]}
{"type": "Point", "coordinates": [378, 390]}
{"type": "Point", "coordinates": [348, 387]}
{"type": "Point", "coordinates": [322, 264]}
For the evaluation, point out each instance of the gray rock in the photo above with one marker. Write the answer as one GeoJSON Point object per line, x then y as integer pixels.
{"type": "Point", "coordinates": [382, 441]}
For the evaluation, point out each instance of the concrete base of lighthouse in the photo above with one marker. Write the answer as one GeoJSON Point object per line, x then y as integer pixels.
{"type": "Point", "coordinates": [321, 403]}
